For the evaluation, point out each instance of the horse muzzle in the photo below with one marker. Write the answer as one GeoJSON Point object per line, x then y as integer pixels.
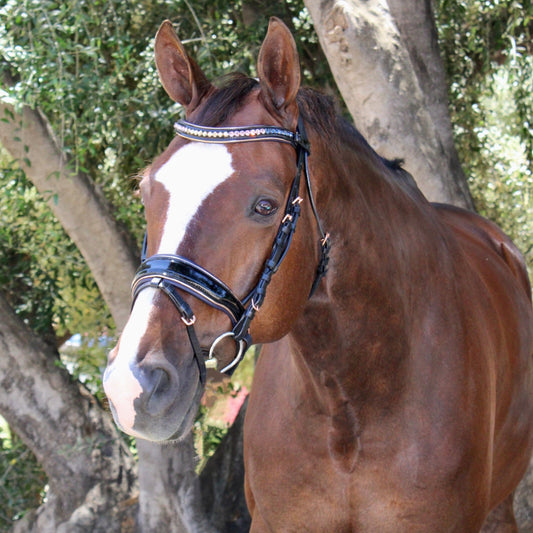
{"type": "Point", "coordinates": [153, 399]}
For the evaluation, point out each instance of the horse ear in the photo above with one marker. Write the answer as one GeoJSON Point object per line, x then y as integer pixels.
{"type": "Point", "coordinates": [278, 68]}
{"type": "Point", "coordinates": [181, 77]}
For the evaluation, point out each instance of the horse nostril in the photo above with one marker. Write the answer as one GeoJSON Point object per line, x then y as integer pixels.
{"type": "Point", "coordinates": [158, 395]}
{"type": "Point", "coordinates": [162, 380]}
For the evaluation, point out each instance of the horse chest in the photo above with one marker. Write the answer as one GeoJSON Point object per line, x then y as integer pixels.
{"type": "Point", "coordinates": [296, 484]}
{"type": "Point", "coordinates": [299, 480]}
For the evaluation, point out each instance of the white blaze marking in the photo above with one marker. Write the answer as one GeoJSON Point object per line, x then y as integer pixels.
{"type": "Point", "coordinates": [190, 176]}
{"type": "Point", "coordinates": [120, 385]}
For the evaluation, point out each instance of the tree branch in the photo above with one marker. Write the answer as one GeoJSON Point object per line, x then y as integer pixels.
{"type": "Point", "coordinates": [75, 201]}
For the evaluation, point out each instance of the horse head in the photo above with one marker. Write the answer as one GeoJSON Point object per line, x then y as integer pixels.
{"type": "Point", "coordinates": [221, 212]}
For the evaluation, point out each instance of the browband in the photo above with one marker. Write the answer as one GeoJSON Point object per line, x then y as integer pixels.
{"type": "Point", "coordinates": [233, 134]}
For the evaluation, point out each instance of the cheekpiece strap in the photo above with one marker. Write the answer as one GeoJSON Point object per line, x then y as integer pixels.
{"type": "Point", "coordinates": [186, 313]}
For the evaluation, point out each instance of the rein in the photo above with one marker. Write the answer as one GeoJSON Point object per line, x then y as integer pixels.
{"type": "Point", "coordinates": [171, 273]}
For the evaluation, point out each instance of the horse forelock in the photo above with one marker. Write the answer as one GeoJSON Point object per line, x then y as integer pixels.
{"type": "Point", "coordinates": [225, 100]}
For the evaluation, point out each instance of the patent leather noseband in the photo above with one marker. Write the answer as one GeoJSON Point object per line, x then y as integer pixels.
{"type": "Point", "coordinates": [173, 273]}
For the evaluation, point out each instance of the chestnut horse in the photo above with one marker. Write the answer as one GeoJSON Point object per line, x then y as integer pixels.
{"type": "Point", "coordinates": [394, 391]}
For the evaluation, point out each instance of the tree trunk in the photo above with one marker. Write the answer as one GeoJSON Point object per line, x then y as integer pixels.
{"type": "Point", "coordinates": [523, 502]}
{"type": "Point", "coordinates": [91, 473]}
{"type": "Point", "coordinates": [389, 73]}
{"type": "Point", "coordinates": [222, 482]}
{"type": "Point", "coordinates": [170, 499]}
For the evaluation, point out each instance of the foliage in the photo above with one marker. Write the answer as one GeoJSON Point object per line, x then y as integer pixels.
{"type": "Point", "coordinates": [487, 47]}
{"type": "Point", "coordinates": [21, 478]}
{"type": "Point", "coordinates": [505, 187]}
{"type": "Point", "coordinates": [85, 358]}
{"type": "Point", "coordinates": [42, 273]}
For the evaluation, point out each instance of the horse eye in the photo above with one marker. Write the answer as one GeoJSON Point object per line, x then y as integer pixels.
{"type": "Point", "coordinates": [265, 208]}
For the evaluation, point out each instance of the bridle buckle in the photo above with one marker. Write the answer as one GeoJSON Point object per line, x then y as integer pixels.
{"type": "Point", "coordinates": [188, 321]}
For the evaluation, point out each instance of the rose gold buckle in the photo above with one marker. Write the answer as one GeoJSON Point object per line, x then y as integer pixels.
{"type": "Point", "coordinates": [188, 322]}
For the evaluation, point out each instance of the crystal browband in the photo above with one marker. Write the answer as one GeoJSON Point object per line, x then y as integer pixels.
{"type": "Point", "coordinates": [232, 135]}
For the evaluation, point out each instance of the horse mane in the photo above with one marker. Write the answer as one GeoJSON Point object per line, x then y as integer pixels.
{"type": "Point", "coordinates": [322, 113]}
{"type": "Point", "coordinates": [318, 109]}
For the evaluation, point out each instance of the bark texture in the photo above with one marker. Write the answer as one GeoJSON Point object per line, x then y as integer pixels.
{"type": "Point", "coordinates": [389, 71]}
{"type": "Point", "coordinates": [170, 498]}
{"type": "Point", "coordinates": [92, 475]}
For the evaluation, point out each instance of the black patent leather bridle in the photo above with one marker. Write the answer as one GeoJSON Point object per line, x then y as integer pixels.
{"type": "Point", "coordinates": [172, 273]}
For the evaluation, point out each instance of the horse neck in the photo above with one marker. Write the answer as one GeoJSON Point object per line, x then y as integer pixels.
{"type": "Point", "coordinates": [354, 335]}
